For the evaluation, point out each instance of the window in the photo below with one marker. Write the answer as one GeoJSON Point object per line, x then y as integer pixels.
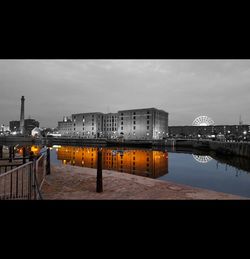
{"type": "Point", "coordinates": [122, 118]}
{"type": "Point", "coordinates": [92, 128]}
{"type": "Point", "coordinates": [134, 117]}
{"type": "Point", "coordinates": [92, 123]}
{"type": "Point", "coordinates": [147, 127]}
{"type": "Point", "coordinates": [133, 158]}
{"type": "Point", "coordinates": [147, 158]}
{"type": "Point", "coordinates": [147, 112]}
{"type": "Point", "coordinates": [82, 128]}
{"type": "Point", "coordinates": [122, 113]}
{"type": "Point", "coordinates": [121, 122]}
{"type": "Point", "coordinates": [148, 117]}
{"type": "Point", "coordinates": [92, 133]}
{"type": "Point", "coordinates": [147, 122]}
{"type": "Point", "coordinates": [74, 128]}
{"type": "Point", "coordinates": [134, 127]}
{"type": "Point", "coordinates": [121, 128]}
{"type": "Point", "coordinates": [134, 113]}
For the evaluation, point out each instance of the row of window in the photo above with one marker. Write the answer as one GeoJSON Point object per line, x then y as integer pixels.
{"type": "Point", "coordinates": [134, 122]}
{"type": "Point", "coordinates": [134, 127]}
{"type": "Point", "coordinates": [134, 113]}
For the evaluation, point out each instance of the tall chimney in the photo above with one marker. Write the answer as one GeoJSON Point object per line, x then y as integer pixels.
{"type": "Point", "coordinates": [22, 130]}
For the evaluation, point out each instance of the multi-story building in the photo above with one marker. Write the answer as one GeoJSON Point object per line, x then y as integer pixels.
{"type": "Point", "coordinates": [148, 123]}
{"type": "Point", "coordinates": [65, 127]}
{"type": "Point", "coordinates": [110, 125]}
{"type": "Point", "coordinates": [29, 125]}
{"type": "Point", "coordinates": [87, 125]}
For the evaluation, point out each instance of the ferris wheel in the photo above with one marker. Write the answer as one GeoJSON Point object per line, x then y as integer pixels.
{"type": "Point", "coordinates": [203, 121]}
{"type": "Point", "coordinates": [202, 159]}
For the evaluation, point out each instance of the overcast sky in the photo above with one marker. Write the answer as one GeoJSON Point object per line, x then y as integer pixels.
{"type": "Point", "coordinates": [186, 89]}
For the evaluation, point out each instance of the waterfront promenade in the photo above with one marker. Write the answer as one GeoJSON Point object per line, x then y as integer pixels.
{"type": "Point", "coordinates": [76, 183]}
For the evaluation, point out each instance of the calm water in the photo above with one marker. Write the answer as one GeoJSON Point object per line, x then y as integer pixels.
{"type": "Point", "coordinates": [223, 174]}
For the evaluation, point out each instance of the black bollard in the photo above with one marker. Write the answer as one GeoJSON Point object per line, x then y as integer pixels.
{"type": "Point", "coordinates": [24, 153]}
{"type": "Point", "coordinates": [31, 156]}
{"type": "Point", "coordinates": [13, 152]}
{"type": "Point", "coordinates": [10, 154]}
{"type": "Point", "coordinates": [1, 151]}
{"type": "Point", "coordinates": [99, 171]}
{"type": "Point", "coordinates": [48, 162]}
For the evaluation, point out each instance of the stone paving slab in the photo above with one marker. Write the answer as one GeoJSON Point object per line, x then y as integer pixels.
{"type": "Point", "coordinates": [79, 183]}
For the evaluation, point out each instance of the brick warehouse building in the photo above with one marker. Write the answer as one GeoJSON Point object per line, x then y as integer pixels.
{"type": "Point", "coordinates": [147, 123]}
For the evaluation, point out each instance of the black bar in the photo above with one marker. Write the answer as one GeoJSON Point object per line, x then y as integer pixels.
{"type": "Point", "coordinates": [29, 184]}
{"type": "Point", "coordinates": [22, 183]}
{"type": "Point", "coordinates": [11, 185]}
{"type": "Point", "coordinates": [48, 162]}
{"type": "Point", "coordinates": [34, 180]}
{"type": "Point", "coordinates": [17, 183]}
{"type": "Point", "coordinates": [99, 187]}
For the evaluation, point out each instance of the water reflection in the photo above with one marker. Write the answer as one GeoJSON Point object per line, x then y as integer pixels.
{"type": "Point", "coordinates": [150, 163]}
{"type": "Point", "coordinates": [202, 159]}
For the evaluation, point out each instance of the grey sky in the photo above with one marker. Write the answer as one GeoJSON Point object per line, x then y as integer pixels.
{"type": "Point", "coordinates": [184, 88]}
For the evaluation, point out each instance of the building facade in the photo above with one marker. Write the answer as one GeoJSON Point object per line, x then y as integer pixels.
{"type": "Point", "coordinates": [110, 125]}
{"type": "Point", "coordinates": [87, 125]}
{"type": "Point", "coordinates": [148, 123]}
{"type": "Point", "coordinates": [65, 126]}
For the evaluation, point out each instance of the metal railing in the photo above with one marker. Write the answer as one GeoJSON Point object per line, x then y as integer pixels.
{"type": "Point", "coordinates": [25, 181]}
{"type": "Point", "coordinates": [17, 183]}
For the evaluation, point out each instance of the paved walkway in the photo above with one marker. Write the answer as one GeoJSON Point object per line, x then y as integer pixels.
{"type": "Point", "coordinates": [69, 182]}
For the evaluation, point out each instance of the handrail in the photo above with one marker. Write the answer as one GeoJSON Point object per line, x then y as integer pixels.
{"type": "Point", "coordinates": [25, 181]}
{"type": "Point", "coordinates": [15, 169]}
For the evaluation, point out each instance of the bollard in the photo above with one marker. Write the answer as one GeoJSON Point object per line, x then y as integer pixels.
{"type": "Point", "coordinates": [10, 154]}
{"type": "Point", "coordinates": [24, 153]}
{"type": "Point", "coordinates": [48, 162]}
{"type": "Point", "coordinates": [99, 171]}
{"type": "Point", "coordinates": [13, 152]}
{"type": "Point", "coordinates": [1, 151]}
{"type": "Point", "coordinates": [31, 156]}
